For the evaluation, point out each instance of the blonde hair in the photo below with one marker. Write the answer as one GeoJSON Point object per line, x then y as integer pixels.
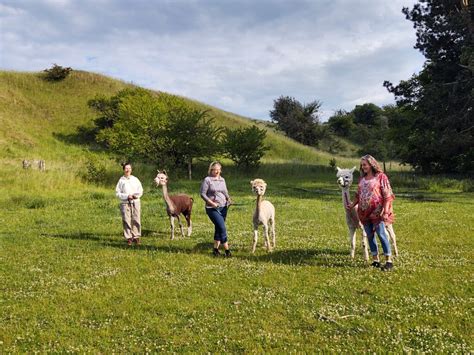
{"type": "Point", "coordinates": [213, 164]}
{"type": "Point", "coordinates": [373, 164]}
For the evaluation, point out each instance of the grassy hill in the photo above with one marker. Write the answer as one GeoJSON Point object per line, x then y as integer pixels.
{"type": "Point", "coordinates": [68, 282]}
{"type": "Point", "coordinates": [34, 113]}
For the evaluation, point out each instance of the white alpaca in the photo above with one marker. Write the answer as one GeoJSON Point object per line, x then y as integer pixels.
{"type": "Point", "coordinates": [344, 179]}
{"type": "Point", "coordinates": [264, 214]}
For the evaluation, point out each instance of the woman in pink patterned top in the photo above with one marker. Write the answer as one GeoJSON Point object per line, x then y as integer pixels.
{"type": "Point", "coordinates": [374, 197]}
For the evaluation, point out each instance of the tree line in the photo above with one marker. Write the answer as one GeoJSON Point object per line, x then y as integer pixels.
{"type": "Point", "coordinates": [136, 124]}
{"type": "Point", "coordinates": [432, 124]}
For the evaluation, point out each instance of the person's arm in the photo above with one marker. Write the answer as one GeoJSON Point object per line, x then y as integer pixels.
{"type": "Point", "coordinates": [119, 193]}
{"type": "Point", "coordinates": [226, 193]}
{"type": "Point", "coordinates": [204, 189]}
{"type": "Point", "coordinates": [139, 191]}
{"type": "Point", "coordinates": [387, 193]}
{"type": "Point", "coordinates": [355, 202]}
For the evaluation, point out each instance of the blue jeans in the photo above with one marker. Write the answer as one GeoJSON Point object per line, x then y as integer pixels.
{"type": "Point", "coordinates": [371, 229]}
{"type": "Point", "coordinates": [217, 216]}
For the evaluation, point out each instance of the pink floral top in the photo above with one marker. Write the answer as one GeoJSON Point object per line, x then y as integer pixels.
{"type": "Point", "coordinates": [372, 193]}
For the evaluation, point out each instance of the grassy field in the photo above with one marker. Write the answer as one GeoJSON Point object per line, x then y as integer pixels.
{"type": "Point", "coordinates": [69, 283]}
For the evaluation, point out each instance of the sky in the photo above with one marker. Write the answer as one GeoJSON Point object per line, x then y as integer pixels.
{"type": "Point", "coordinates": [238, 55]}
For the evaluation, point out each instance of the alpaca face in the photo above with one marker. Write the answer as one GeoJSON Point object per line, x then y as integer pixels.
{"type": "Point", "coordinates": [258, 186]}
{"type": "Point", "coordinates": [161, 178]}
{"type": "Point", "coordinates": [345, 177]}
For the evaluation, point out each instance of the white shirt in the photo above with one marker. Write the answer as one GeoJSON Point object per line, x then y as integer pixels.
{"type": "Point", "coordinates": [128, 186]}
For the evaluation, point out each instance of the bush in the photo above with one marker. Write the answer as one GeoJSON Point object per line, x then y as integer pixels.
{"type": "Point", "coordinates": [245, 146]}
{"type": "Point", "coordinates": [57, 73]}
{"type": "Point", "coordinates": [96, 170]}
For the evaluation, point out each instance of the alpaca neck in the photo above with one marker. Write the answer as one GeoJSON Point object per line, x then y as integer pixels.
{"type": "Point", "coordinates": [346, 196]}
{"type": "Point", "coordinates": [167, 198]}
{"type": "Point", "coordinates": [259, 201]}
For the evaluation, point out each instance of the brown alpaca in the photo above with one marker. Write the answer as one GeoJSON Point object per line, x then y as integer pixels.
{"type": "Point", "coordinates": [175, 204]}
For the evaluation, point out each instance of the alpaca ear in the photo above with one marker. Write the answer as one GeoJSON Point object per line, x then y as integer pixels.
{"type": "Point", "coordinates": [251, 182]}
{"type": "Point", "coordinates": [338, 168]}
{"type": "Point", "coordinates": [353, 169]}
{"type": "Point", "coordinates": [158, 171]}
{"type": "Point", "coordinates": [164, 172]}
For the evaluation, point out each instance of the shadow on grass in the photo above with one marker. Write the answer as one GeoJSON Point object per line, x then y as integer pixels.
{"type": "Point", "coordinates": [316, 257]}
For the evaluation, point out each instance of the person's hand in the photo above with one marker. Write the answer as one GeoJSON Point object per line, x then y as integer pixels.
{"type": "Point", "coordinates": [130, 197]}
{"type": "Point", "coordinates": [213, 204]}
{"type": "Point", "coordinates": [349, 207]}
{"type": "Point", "coordinates": [135, 197]}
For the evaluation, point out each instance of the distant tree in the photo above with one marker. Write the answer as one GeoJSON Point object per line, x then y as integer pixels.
{"type": "Point", "coordinates": [56, 73]}
{"type": "Point", "coordinates": [132, 125]}
{"type": "Point", "coordinates": [439, 129]}
{"type": "Point", "coordinates": [298, 121]}
{"type": "Point", "coordinates": [245, 146]}
{"type": "Point", "coordinates": [341, 123]}
{"type": "Point", "coordinates": [367, 114]}
{"type": "Point", "coordinates": [190, 134]}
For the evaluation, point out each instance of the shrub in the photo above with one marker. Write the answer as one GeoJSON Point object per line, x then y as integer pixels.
{"type": "Point", "coordinates": [95, 170]}
{"type": "Point", "coordinates": [245, 146]}
{"type": "Point", "coordinates": [57, 73]}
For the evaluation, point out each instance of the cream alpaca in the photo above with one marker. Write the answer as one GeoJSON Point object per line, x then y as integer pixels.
{"type": "Point", "coordinates": [264, 214]}
{"type": "Point", "coordinates": [344, 180]}
{"type": "Point", "coordinates": [175, 205]}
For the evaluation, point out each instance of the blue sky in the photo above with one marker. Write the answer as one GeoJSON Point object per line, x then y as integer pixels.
{"type": "Point", "coordinates": [236, 55]}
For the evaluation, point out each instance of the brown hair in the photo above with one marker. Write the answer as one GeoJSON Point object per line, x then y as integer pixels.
{"type": "Point", "coordinates": [373, 164]}
{"type": "Point", "coordinates": [125, 164]}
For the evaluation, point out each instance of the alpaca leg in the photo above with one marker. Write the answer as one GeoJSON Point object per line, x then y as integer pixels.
{"type": "Point", "coordinates": [189, 223]}
{"type": "Point", "coordinates": [172, 227]}
{"type": "Point", "coordinates": [352, 240]}
{"type": "Point", "coordinates": [393, 238]}
{"type": "Point", "coordinates": [255, 238]}
{"type": "Point", "coordinates": [273, 232]}
{"type": "Point", "coordinates": [265, 232]}
{"type": "Point", "coordinates": [364, 246]}
{"type": "Point", "coordinates": [180, 226]}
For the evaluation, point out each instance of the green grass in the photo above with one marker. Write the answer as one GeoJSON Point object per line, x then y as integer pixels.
{"type": "Point", "coordinates": [69, 283]}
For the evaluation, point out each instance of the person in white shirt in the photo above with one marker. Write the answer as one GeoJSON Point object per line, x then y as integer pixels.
{"type": "Point", "coordinates": [129, 190]}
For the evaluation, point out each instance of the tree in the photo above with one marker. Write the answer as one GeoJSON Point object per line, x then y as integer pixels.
{"type": "Point", "coordinates": [341, 123]}
{"type": "Point", "coordinates": [190, 134]}
{"type": "Point", "coordinates": [440, 98]}
{"type": "Point", "coordinates": [245, 146]}
{"type": "Point", "coordinates": [140, 125]}
{"type": "Point", "coordinates": [367, 114]}
{"type": "Point", "coordinates": [298, 121]}
{"type": "Point", "coordinates": [56, 73]}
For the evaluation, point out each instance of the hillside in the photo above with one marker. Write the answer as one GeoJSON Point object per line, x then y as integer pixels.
{"type": "Point", "coordinates": [35, 114]}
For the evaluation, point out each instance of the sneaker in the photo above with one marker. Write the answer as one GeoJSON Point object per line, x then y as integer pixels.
{"type": "Point", "coordinates": [228, 254]}
{"type": "Point", "coordinates": [388, 266]}
{"type": "Point", "coordinates": [129, 242]}
{"type": "Point", "coordinates": [375, 264]}
{"type": "Point", "coordinates": [216, 252]}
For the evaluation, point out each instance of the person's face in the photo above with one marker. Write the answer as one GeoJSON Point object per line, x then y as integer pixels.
{"type": "Point", "coordinates": [366, 168]}
{"type": "Point", "coordinates": [216, 170]}
{"type": "Point", "coordinates": [127, 170]}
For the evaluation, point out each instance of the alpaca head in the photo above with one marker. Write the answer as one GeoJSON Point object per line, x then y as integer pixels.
{"type": "Point", "coordinates": [345, 177]}
{"type": "Point", "coordinates": [161, 178]}
{"type": "Point", "coordinates": [258, 186]}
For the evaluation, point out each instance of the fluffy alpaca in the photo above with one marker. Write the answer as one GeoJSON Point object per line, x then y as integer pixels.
{"type": "Point", "coordinates": [175, 204]}
{"type": "Point", "coordinates": [344, 180]}
{"type": "Point", "coordinates": [264, 214]}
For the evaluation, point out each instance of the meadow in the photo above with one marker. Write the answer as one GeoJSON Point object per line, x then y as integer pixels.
{"type": "Point", "coordinates": [69, 283]}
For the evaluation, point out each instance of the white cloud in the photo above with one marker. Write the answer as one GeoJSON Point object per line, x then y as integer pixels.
{"type": "Point", "coordinates": [239, 56]}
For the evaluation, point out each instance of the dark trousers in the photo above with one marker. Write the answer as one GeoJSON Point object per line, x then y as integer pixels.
{"type": "Point", "coordinates": [217, 216]}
